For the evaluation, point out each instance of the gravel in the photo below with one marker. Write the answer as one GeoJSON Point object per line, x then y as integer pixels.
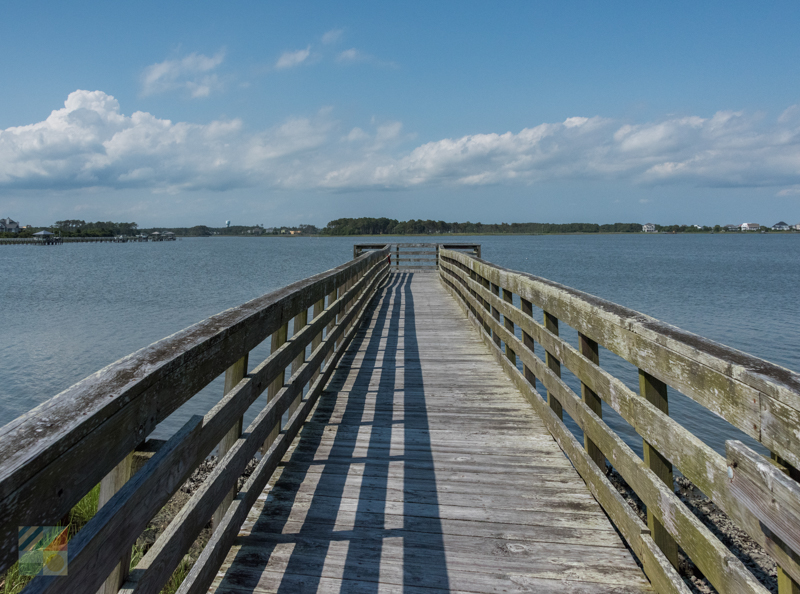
{"type": "Point", "coordinates": [734, 538]}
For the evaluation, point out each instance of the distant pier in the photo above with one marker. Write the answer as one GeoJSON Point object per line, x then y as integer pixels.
{"type": "Point", "coordinates": [62, 240]}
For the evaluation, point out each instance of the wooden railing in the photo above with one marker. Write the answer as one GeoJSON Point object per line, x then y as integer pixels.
{"type": "Point", "coordinates": [55, 454]}
{"type": "Point", "coordinates": [416, 257]}
{"type": "Point", "coordinates": [761, 399]}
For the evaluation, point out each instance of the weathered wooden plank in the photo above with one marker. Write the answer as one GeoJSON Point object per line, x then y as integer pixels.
{"type": "Point", "coordinates": [401, 561]}
{"type": "Point", "coordinates": [552, 362]}
{"type": "Point", "coordinates": [589, 349]}
{"type": "Point", "coordinates": [109, 486]}
{"type": "Point", "coordinates": [233, 375]}
{"type": "Point", "coordinates": [300, 321]}
{"type": "Point", "coordinates": [655, 392]}
{"type": "Point", "coordinates": [771, 496]}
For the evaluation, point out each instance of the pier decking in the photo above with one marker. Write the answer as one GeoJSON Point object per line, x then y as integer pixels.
{"type": "Point", "coordinates": [424, 470]}
{"type": "Point", "coordinates": [413, 439]}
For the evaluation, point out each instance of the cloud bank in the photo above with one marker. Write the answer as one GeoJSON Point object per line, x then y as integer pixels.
{"type": "Point", "coordinates": [91, 143]}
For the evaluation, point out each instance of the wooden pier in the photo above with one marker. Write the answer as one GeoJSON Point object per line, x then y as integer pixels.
{"type": "Point", "coordinates": [424, 470]}
{"type": "Point", "coordinates": [424, 449]}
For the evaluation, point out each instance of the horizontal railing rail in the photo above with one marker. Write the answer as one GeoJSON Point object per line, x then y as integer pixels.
{"type": "Point", "coordinates": [416, 257]}
{"type": "Point", "coordinates": [759, 398]}
{"type": "Point", "coordinates": [55, 454]}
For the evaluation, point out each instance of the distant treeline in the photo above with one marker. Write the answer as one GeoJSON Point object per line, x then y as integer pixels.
{"type": "Point", "coordinates": [384, 226]}
{"type": "Point", "coordinates": [78, 228]}
{"type": "Point", "coordinates": [203, 231]}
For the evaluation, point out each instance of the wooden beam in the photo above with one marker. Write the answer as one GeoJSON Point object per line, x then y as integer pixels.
{"type": "Point", "coordinates": [590, 350]}
{"type": "Point", "coordinates": [527, 340]}
{"type": "Point", "coordinates": [278, 339]}
{"type": "Point", "coordinates": [655, 392]}
{"type": "Point", "coordinates": [233, 375]}
{"type": "Point", "coordinates": [551, 325]}
{"type": "Point", "coordinates": [109, 486]}
{"type": "Point", "coordinates": [773, 497]}
{"type": "Point", "coordinates": [300, 322]}
{"type": "Point", "coordinates": [508, 297]}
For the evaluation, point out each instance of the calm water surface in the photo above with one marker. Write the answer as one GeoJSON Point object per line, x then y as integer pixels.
{"type": "Point", "coordinates": [70, 310]}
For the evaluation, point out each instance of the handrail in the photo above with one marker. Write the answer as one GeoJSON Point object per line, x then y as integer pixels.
{"type": "Point", "coordinates": [55, 454]}
{"type": "Point", "coordinates": [416, 257]}
{"type": "Point", "coordinates": [760, 398]}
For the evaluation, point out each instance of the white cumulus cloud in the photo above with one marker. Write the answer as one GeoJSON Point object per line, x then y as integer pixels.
{"type": "Point", "coordinates": [292, 59]}
{"type": "Point", "coordinates": [90, 142]}
{"type": "Point", "coordinates": [192, 73]}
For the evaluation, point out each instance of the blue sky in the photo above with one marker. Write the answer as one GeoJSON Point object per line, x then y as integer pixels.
{"type": "Point", "coordinates": [194, 113]}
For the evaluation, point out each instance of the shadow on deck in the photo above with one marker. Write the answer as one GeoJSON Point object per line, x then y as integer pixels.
{"type": "Point", "coordinates": [347, 520]}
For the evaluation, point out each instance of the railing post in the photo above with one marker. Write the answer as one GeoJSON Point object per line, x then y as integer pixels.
{"type": "Point", "coordinates": [495, 313]}
{"type": "Point", "coordinates": [340, 291]}
{"type": "Point", "coordinates": [551, 324]}
{"type": "Point", "coordinates": [786, 585]}
{"type": "Point", "coordinates": [300, 321]}
{"type": "Point", "coordinates": [508, 297]}
{"type": "Point", "coordinates": [110, 484]}
{"type": "Point", "coordinates": [527, 340]}
{"type": "Point", "coordinates": [590, 350]}
{"type": "Point", "coordinates": [233, 375]}
{"type": "Point", "coordinates": [278, 340]}
{"type": "Point", "coordinates": [655, 391]}
{"type": "Point", "coordinates": [331, 324]}
{"type": "Point", "coordinates": [319, 307]}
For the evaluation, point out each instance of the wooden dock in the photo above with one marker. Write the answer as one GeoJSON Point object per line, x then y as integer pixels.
{"type": "Point", "coordinates": [423, 469]}
{"type": "Point", "coordinates": [413, 440]}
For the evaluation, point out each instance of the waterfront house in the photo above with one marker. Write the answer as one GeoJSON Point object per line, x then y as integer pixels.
{"type": "Point", "coordinates": [750, 227]}
{"type": "Point", "coordinates": [780, 226]}
{"type": "Point", "coordinates": [731, 227]}
{"type": "Point", "coordinates": [649, 228]}
{"type": "Point", "coordinates": [9, 226]}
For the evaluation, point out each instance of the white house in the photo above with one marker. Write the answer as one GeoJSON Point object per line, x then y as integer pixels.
{"type": "Point", "coordinates": [649, 228]}
{"type": "Point", "coordinates": [9, 226]}
{"type": "Point", "coordinates": [780, 226]}
{"type": "Point", "coordinates": [750, 227]}
{"type": "Point", "coordinates": [797, 226]}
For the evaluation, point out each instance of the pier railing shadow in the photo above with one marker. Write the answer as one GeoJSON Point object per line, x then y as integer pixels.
{"type": "Point", "coordinates": [348, 505]}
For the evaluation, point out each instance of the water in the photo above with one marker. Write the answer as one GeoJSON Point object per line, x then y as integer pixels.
{"type": "Point", "coordinates": [69, 310]}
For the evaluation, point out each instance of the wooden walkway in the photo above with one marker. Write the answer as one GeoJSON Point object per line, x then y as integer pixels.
{"type": "Point", "coordinates": [423, 470]}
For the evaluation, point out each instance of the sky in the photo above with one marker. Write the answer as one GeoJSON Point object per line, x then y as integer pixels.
{"type": "Point", "coordinates": [194, 113]}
